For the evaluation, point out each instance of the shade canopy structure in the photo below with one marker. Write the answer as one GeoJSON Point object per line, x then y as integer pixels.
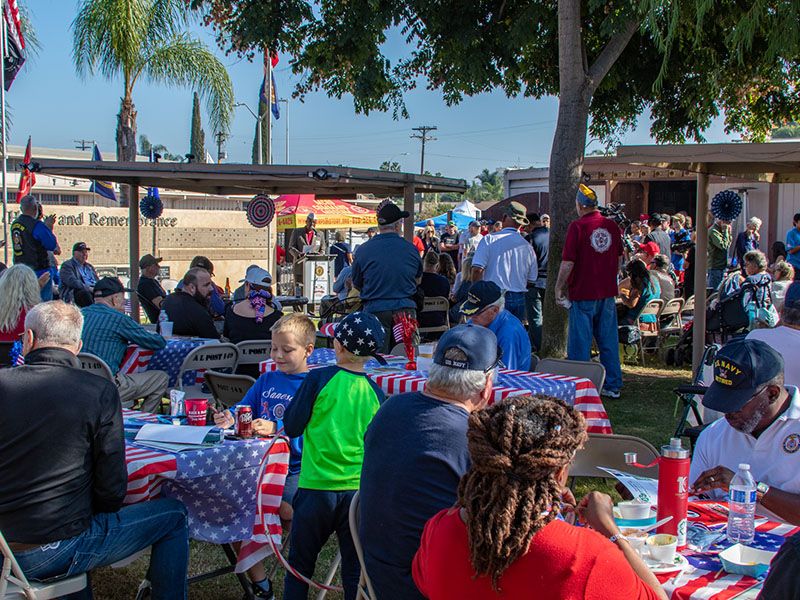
{"type": "Point", "coordinates": [291, 211]}
{"type": "Point", "coordinates": [774, 162]}
{"type": "Point", "coordinates": [439, 221]}
{"type": "Point", "coordinates": [465, 207]}
{"type": "Point", "coordinates": [237, 179]}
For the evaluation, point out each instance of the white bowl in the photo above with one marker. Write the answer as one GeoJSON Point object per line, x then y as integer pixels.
{"type": "Point", "coordinates": [662, 547]}
{"type": "Point", "coordinates": [633, 510]}
{"type": "Point", "coordinates": [636, 538]}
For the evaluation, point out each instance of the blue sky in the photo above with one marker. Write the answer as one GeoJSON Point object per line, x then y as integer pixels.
{"type": "Point", "coordinates": [51, 103]}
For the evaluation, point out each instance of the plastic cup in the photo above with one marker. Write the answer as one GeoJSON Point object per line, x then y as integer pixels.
{"type": "Point", "coordinates": [426, 350]}
{"type": "Point", "coordinates": [662, 547]}
{"type": "Point", "coordinates": [166, 329]}
{"type": "Point", "coordinates": [196, 411]}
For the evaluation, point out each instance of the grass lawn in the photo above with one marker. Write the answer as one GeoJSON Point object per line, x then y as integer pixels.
{"type": "Point", "coordinates": [645, 410]}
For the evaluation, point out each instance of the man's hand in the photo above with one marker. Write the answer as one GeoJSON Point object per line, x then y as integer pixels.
{"type": "Point", "coordinates": [223, 419]}
{"type": "Point", "coordinates": [43, 279]}
{"type": "Point", "coordinates": [50, 221]}
{"type": "Point", "coordinates": [263, 427]}
{"type": "Point", "coordinates": [718, 478]}
{"type": "Point", "coordinates": [596, 510]}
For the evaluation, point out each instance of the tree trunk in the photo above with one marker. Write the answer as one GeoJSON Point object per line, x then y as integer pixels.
{"type": "Point", "coordinates": [566, 162]}
{"type": "Point", "coordinates": [126, 139]}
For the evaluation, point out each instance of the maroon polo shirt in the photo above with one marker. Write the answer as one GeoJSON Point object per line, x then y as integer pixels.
{"type": "Point", "coordinates": [594, 244]}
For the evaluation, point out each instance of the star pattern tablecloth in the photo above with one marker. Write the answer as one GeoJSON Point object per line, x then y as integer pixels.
{"type": "Point", "coordinates": [703, 579]}
{"type": "Point", "coordinates": [218, 485]}
{"type": "Point", "coordinates": [575, 391]}
{"type": "Point", "coordinates": [169, 359]}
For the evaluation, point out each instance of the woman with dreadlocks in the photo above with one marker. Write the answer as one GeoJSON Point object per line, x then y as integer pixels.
{"type": "Point", "coordinates": [506, 538]}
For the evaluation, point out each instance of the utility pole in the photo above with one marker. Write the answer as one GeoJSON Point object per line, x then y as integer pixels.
{"type": "Point", "coordinates": [268, 116]}
{"type": "Point", "coordinates": [220, 140]}
{"type": "Point", "coordinates": [84, 144]}
{"type": "Point", "coordinates": [424, 137]}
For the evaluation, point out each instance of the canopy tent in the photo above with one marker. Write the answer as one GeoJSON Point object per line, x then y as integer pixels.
{"type": "Point", "coordinates": [239, 179]}
{"type": "Point", "coordinates": [439, 221]}
{"type": "Point", "coordinates": [291, 211]}
{"type": "Point", "coordinates": [465, 207]}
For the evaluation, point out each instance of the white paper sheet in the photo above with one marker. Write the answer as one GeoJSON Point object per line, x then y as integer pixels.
{"type": "Point", "coordinates": [644, 489]}
{"type": "Point", "coordinates": [153, 432]}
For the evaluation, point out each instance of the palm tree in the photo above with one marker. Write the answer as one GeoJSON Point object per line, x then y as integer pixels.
{"type": "Point", "coordinates": [146, 39]}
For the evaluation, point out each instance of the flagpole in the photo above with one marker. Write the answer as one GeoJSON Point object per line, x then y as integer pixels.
{"type": "Point", "coordinates": [270, 91]}
{"type": "Point", "coordinates": [5, 153]}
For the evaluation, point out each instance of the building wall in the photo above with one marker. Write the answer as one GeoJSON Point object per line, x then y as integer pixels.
{"type": "Point", "coordinates": [223, 236]}
{"type": "Point", "coordinates": [788, 206]}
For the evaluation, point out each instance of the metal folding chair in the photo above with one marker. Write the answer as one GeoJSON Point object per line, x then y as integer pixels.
{"type": "Point", "coordinates": [14, 584]}
{"type": "Point", "coordinates": [95, 365]}
{"type": "Point", "coordinates": [365, 590]}
{"type": "Point", "coordinates": [593, 371]}
{"type": "Point", "coordinates": [217, 357]}
{"type": "Point", "coordinates": [228, 389]}
{"type": "Point", "coordinates": [436, 304]}
{"type": "Point", "coordinates": [608, 450]}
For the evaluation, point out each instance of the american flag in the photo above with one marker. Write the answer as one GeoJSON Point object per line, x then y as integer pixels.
{"type": "Point", "coordinates": [11, 14]}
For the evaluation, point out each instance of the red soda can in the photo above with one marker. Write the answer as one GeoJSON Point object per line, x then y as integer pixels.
{"type": "Point", "coordinates": [244, 421]}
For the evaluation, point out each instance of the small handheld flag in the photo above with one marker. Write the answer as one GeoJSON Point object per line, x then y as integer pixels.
{"type": "Point", "coordinates": [28, 178]}
{"type": "Point", "coordinates": [103, 188]}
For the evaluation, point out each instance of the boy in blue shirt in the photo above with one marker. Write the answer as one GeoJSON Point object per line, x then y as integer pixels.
{"type": "Point", "coordinates": [292, 343]}
{"type": "Point", "coordinates": [332, 410]}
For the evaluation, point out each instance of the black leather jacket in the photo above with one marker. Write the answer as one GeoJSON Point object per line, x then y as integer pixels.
{"type": "Point", "coordinates": [62, 448]}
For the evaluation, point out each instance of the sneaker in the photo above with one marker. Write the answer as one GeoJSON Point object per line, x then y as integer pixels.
{"type": "Point", "coordinates": [263, 589]}
{"type": "Point", "coordinates": [610, 393]}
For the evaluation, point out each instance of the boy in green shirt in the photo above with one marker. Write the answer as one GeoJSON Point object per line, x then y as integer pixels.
{"type": "Point", "coordinates": [331, 410]}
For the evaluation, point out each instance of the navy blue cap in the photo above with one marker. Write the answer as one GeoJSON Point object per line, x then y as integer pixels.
{"type": "Point", "coordinates": [792, 298]}
{"type": "Point", "coordinates": [740, 368]}
{"type": "Point", "coordinates": [360, 333]}
{"type": "Point", "coordinates": [108, 286]}
{"type": "Point", "coordinates": [480, 295]}
{"type": "Point", "coordinates": [478, 348]}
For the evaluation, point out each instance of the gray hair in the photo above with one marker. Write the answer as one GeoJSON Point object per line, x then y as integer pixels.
{"type": "Point", "coordinates": [391, 227]}
{"type": "Point", "coordinates": [28, 204]}
{"type": "Point", "coordinates": [55, 323]}
{"type": "Point", "coordinates": [500, 303]}
{"type": "Point", "coordinates": [755, 222]}
{"type": "Point", "coordinates": [757, 258]}
{"type": "Point", "coordinates": [458, 383]}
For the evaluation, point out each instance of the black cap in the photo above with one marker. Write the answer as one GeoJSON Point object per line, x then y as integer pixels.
{"type": "Point", "coordinates": [80, 246]}
{"type": "Point", "coordinates": [108, 286]}
{"type": "Point", "coordinates": [148, 260]}
{"type": "Point", "coordinates": [478, 345]}
{"type": "Point", "coordinates": [390, 213]}
{"type": "Point", "coordinates": [740, 368]}
{"type": "Point", "coordinates": [480, 295]}
{"type": "Point", "coordinates": [202, 262]}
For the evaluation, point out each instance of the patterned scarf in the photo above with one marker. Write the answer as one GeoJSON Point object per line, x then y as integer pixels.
{"type": "Point", "coordinates": [259, 300]}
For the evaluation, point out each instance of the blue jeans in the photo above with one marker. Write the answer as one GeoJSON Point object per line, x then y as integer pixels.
{"type": "Point", "coordinates": [596, 318]}
{"type": "Point", "coordinates": [714, 278]}
{"type": "Point", "coordinates": [111, 537]}
{"type": "Point", "coordinates": [515, 304]}
{"type": "Point", "coordinates": [317, 515]}
{"type": "Point", "coordinates": [534, 298]}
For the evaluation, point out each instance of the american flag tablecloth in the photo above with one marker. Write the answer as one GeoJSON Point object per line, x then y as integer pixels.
{"type": "Point", "coordinates": [703, 579]}
{"type": "Point", "coordinates": [218, 487]}
{"type": "Point", "coordinates": [168, 359]}
{"type": "Point", "coordinates": [576, 391]}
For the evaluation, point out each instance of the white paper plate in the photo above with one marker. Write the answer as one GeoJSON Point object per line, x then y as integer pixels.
{"type": "Point", "coordinates": [679, 564]}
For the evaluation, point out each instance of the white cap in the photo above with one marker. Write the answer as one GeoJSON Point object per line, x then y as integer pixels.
{"type": "Point", "coordinates": [744, 467]}
{"type": "Point", "coordinates": [255, 275]}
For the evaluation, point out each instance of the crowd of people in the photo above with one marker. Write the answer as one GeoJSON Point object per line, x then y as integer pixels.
{"type": "Point", "coordinates": [458, 498]}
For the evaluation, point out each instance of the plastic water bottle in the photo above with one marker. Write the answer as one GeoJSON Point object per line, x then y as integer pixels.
{"type": "Point", "coordinates": [162, 316]}
{"type": "Point", "coordinates": [742, 507]}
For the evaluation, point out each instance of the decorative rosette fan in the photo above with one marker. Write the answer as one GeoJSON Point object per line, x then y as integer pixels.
{"type": "Point", "coordinates": [260, 211]}
{"type": "Point", "coordinates": [727, 205]}
{"type": "Point", "coordinates": [151, 207]}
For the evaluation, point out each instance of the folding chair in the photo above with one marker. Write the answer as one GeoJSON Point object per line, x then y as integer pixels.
{"type": "Point", "coordinates": [14, 584]}
{"type": "Point", "coordinates": [670, 322]}
{"type": "Point", "coordinates": [593, 371]}
{"type": "Point", "coordinates": [96, 366]}
{"type": "Point", "coordinates": [608, 450]}
{"type": "Point", "coordinates": [251, 354]}
{"type": "Point", "coordinates": [654, 307]}
{"type": "Point", "coordinates": [687, 311]}
{"type": "Point", "coordinates": [534, 361]}
{"type": "Point", "coordinates": [228, 389]}
{"type": "Point", "coordinates": [436, 304]}
{"type": "Point", "coordinates": [364, 581]}
{"type": "Point", "coordinates": [218, 357]}
{"type": "Point", "coordinates": [169, 285]}
{"type": "Point", "coordinates": [5, 354]}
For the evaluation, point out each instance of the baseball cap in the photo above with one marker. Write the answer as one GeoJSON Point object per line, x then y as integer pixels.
{"type": "Point", "coordinates": [474, 224]}
{"type": "Point", "coordinates": [362, 334]}
{"type": "Point", "coordinates": [586, 196]}
{"type": "Point", "coordinates": [740, 368]}
{"type": "Point", "coordinates": [480, 295]}
{"type": "Point", "coordinates": [255, 275]}
{"type": "Point", "coordinates": [644, 217]}
{"type": "Point", "coordinates": [311, 217]}
{"type": "Point", "coordinates": [792, 298]}
{"type": "Point", "coordinates": [202, 262]}
{"type": "Point", "coordinates": [80, 246]}
{"type": "Point", "coordinates": [108, 286]}
{"type": "Point", "coordinates": [516, 211]}
{"type": "Point", "coordinates": [649, 248]}
{"type": "Point", "coordinates": [453, 223]}
{"type": "Point", "coordinates": [478, 346]}
{"type": "Point", "coordinates": [545, 217]}
{"type": "Point", "coordinates": [390, 213]}
{"type": "Point", "coordinates": [148, 260]}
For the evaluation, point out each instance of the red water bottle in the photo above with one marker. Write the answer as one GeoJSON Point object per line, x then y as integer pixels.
{"type": "Point", "coordinates": [673, 487]}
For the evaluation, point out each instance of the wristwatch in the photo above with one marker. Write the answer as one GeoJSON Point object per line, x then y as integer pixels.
{"type": "Point", "coordinates": [761, 489]}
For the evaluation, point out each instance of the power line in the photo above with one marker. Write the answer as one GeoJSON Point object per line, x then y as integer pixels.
{"type": "Point", "coordinates": [84, 144]}
{"type": "Point", "coordinates": [423, 137]}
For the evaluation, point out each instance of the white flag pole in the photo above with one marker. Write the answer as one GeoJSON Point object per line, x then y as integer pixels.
{"type": "Point", "coordinates": [3, 140]}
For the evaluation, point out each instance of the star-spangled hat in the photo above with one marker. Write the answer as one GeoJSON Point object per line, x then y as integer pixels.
{"type": "Point", "coordinates": [361, 333]}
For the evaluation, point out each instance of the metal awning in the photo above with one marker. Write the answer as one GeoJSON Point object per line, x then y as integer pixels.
{"type": "Point", "coordinates": [325, 181]}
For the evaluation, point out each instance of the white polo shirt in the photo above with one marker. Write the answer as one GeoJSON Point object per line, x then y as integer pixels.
{"type": "Point", "coordinates": [774, 457]}
{"type": "Point", "coordinates": [507, 259]}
